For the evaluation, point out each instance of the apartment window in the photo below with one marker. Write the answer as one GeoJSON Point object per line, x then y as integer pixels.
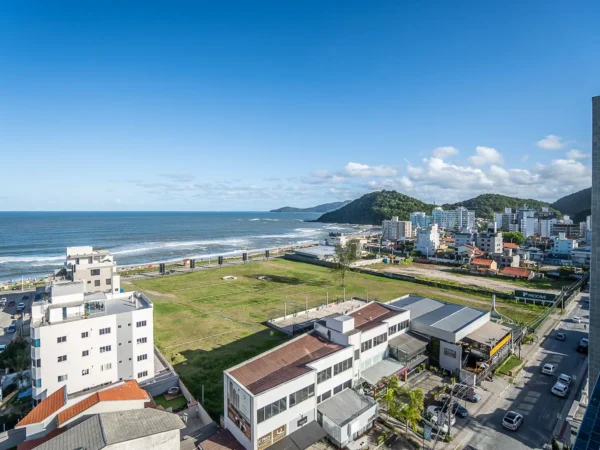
{"type": "Point", "coordinates": [96, 282]}
{"type": "Point", "coordinates": [38, 383]}
{"type": "Point", "coordinates": [324, 375]}
{"type": "Point", "coordinates": [36, 363]}
{"type": "Point", "coordinates": [302, 394]}
{"type": "Point", "coordinates": [106, 366]}
{"type": "Point", "coordinates": [343, 366]}
{"type": "Point", "coordinates": [85, 372]}
{"type": "Point", "coordinates": [61, 339]}
{"type": "Point", "coordinates": [108, 281]}
{"type": "Point", "coordinates": [366, 345]}
{"type": "Point", "coordinates": [84, 335]}
{"type": "Point", "coordinates": [95, 272]}
{"type": "Point", "coordinates": [142, 340]}
{"type": "Point", "coordinates": [62, 358]}
{"type": "Point", "coordinates": [90, 260]}
{"type": "Point", "coordinates": [105, 348]}
{"type": "Point", "coordinates": [36, 343]}
{"type": "Point", "coordinates": [380, 339]}
{"type": "Point", "coordinates": [338, 389]}
{"type": "Point", "coordinates": [62, 378]}
{"type": "Point", "coordinates": [324, 396]}
{"type": "Point", "coordinates": [143, 374]}
{"type": "Point", "coordinates": [403, 325]}
{"type": "Point", "coordinates": [348, 384]}
{"type": "Point", "coordinates": [85, 353]}
{"type": "Point", "coordinates": [356, 354]}
{"type": "Point", "coordinates": [271, 410]}
{"type": "Point", "coordinates": [105, 330]}
{"type": "Point", "coordinates": [142, 357]}
{"type": "Point", "coordinates": [140, 324]}
{"type": "Point", "coordinates": [393, 329]}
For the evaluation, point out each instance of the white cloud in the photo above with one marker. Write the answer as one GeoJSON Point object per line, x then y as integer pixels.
{"type": "Point", "coordinates": [444, 152]}
{"type": "Point", "coordinates": [359, 170]}
{"type": "Point", "coordinates": [551, 142]}
{"type": "Point", "coordinates": [486, 155]}
{"type": "Point", "coordinates": [323, 177]}
{"type": "Point", "coordinates": [524, 158]}
{"type": "Point", "coordinates": [577, 154]}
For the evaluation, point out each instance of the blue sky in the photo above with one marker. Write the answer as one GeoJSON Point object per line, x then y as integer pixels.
{"type": "Point", "coordinates": [255, 105]}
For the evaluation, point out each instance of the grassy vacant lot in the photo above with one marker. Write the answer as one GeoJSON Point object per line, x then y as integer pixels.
{"type": "Point", "coordinates": [176, 403]}
{"type": "Point", "coordinates": [509, 365]}
{"type": "Point", "coordinates": [204, 324]}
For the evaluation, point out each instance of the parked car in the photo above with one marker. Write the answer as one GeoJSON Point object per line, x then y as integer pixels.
{"type": "Point", "coordinates": [464, 392]}
{"type": "Point", "coordinates": [512, 420]}
{"type": "Point", "coordinates": [548, 369]}
{"type": "Point", "coordinates": [582, 348]}
{"type": "Point", "coordinates": [173, 391]}
{"type": "Point", "coordinates": [3, 301]}
{"type": "Point", "coordinates": [21, 307]}
{"type": "Point", "coordinates": [584, 341]}
{"type": "Point", "coordinates": [561, 336]}
{"type": "Point", "coordinates": [457, 408]}
{"type": "Point", "coordinates": [12, 328]}
{"type": "Point", "coordinates": [436, 415]}
{"type": "Point", "coordinates": [577, 319]}
{"type": "Point", "coordinates": [11, 303]}
{"type": "Point", "coordinates": [25, 297]}
{"type": "Point", "coordinates": [564, 379]}
{"type": "Point", "coordinates": [560, 389]}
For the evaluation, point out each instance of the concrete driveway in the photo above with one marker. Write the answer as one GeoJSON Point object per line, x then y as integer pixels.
{"type": "Point", "coordinates": [9, 315]}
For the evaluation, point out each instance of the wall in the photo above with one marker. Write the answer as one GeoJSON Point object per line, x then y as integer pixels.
{"type": "Point", "coordinates": [330, 361]}
{"type": "Point", "coordinates": [366, 262]}
{"type": "Point", "coordinates": [104, 407]}
{"type": "Point", "coordinates": [248, 440]}
{"type": "Point", "coordinates": [447, 361]}
{"type": "Point", "coordinates": [161, 441]}
{"type": "Point", "coordinates": [11, 438]}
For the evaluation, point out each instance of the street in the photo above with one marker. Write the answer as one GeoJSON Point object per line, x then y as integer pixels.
{"type": "Point", "coordinates": [9, 315]}
{"type": "Point", "coordinates": [530, 394]}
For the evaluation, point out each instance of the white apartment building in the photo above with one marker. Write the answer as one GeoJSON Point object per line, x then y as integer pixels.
{"type": "Point", "coordinates": [303, 388]}
{"type": "Point", "coordinates": [395, 230]}
{"type": "Point", "coordinates": [96, 268]}
{"type": "Point", "coordinates": [83, 340]}
{"type": "Point", "coordinates": [545, 227]}
{"type": "Point", "coordinates": [563, 246]}
{"type": "Point", "coordinates": [466, 238]}
{"type": "Point", "coordinates": [419, 219]}
{"type": "Point", "coordinates": [529, 226]}
{"type": "Point", "coordinates": [455, 219]}
{"type": "Point", "coordinates": [428, 240]}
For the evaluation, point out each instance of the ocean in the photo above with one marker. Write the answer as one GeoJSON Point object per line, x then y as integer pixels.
{"type": "Point", "coordinates": [34, 243]}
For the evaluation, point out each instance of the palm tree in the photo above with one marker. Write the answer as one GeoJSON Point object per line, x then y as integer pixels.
{"type": "Point", "coordinates": [389, 396]}
{"type": "Point", "coordinates": [18, 363]}
{"type": "Point", "coordinates": [415, 403]}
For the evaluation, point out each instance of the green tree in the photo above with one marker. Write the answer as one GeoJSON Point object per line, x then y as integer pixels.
{"type": "Point", "coordinates": [414, 403]}
{"type": "Point", "coordinates": [18, 363]}
{"type": "Point", "coordinates": [342, 258]}
{"type": "Point", "coordinates": [389, 397]}
{"type": "Point", "coordinates": [515, 237]}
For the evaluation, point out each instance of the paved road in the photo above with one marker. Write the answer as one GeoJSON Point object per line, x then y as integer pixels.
{"type": "Point", "coordinates": [531, 396]}
{"type": "Point", "coordinates": [8, 314]}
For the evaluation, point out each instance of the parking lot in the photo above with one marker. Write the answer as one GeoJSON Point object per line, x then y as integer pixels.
{"type": "Point", "coordinates": [9, 315]}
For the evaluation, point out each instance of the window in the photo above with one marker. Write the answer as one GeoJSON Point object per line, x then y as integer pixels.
{"type": "Point", "coordinates": [105, 330]}
{"type": "Point", "coordinates": [108, 281]}
{"type": "Point", "coordinates": [324, 375]}
{"type": "Point", "coordinates": [106, 366]}
{"type": "Point", "coordinates": [62, 358]}
{"type": "Point", "coordinates": [85, 372]}
{"type": "Point", "coordinates": [324, 396]}
{"type": "Point", "coordinates": [143, 374]}
{"type": "Point", "coordinates": [140, 324]}
{"type": "Point", "coordinates": [105, 348]}
{"type": "Point", "coordinates": [380, 339]}
{"type": "Point", "coordinates": [61, 339]}
{"type": "Point", "coordinates": [142, 357]}
{"type": "Point", "coordinates": [84, 335]}
{"type": "Point", "coordinates": [36, 343]}
{"type": "Point", "coordinates": [95, 272]}
{"type": "Point", "coordinates": [356, 354]}
{"type": "Point", "coordinates": [393, 329]}
{"type": "Point", "coordinates": [338, 389]}
{"type": "Point", "coordinates": [38, 383]}
{"type": "Point", "coordinates": [348, 384]}
{"type": "Point", "coordinates": [343, 366]}
{"type": "Point", "coordinates": [271, 410]}
{"type": "Point", "coordinates": [302, 394]}
{"type": "Point", "coordinates": [366, 345]}
{"type": "Point", "coordinates": [403, 325]}
{"type": "Point", "coordinates": [142, 340]}
{"type": "Point", "coordinates": [62, 378]}
{"type": "Point", "coordinates": [85, 353]}
{"type": "Point", "coordinates": [96, 282]}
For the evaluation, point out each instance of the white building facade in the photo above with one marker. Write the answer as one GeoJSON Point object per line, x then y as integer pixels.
{"type": "Point", "coordinates": [454, 219]}
{"type": "Point", "coordinates": [428, 240]}
{"type": "Point", "coordinates": [419, 219]}
{"type": "Point", "coordinates": [96, 268]}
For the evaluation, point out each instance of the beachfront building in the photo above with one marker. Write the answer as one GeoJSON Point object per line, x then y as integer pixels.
{"type": "Point", "coordinates": [302, 390]}
{"type": "Point", "coordinates": [83, 340]}
{"type": "Point", "coordinates": [454, 219]}
{"type": "Point", "coordinates": [96, 268]}
{"type": "Point", "coordinates": [395, 230]}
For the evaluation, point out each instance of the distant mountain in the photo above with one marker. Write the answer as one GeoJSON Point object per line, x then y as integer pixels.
{"type": "Point", "coordinates": [575, 203]}
{"type": "Point", "coordinates": [372, 208]}
{"type": "Point", "coordinates": [486, 205]}
{"type": "Point", "coordinates": [319, 208]}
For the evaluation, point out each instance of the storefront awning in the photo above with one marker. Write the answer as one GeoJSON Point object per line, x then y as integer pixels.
{"type": "Point", "coordinates": [383, 369]}
{"type": "Point", "coordinates": [302, 438]}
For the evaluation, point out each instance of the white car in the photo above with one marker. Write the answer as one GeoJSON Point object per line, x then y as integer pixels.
{"type": "Point", "coordinates": [548, 369]}
{"type": "Point", "coordinates": [564, 379]}
{"type": "Point", "coordinates": [512, 420]}
{"type": "Point", "coordinates": [560, 389]}
{"type": "Point", "coordinates": [437, 415]}
{"type": "Point", "coordinates": [577, 319]}
{"type": "Point", "coordinates": [3, 301]}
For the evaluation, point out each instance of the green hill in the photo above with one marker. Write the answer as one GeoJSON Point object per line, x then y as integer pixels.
{"type": "Point", "coordinates": [486, 205]}
{"type": "Point", "coordinates": [573, 204]}
{"type": "Point", "coordinates": [372, 208]}
{"type": "Point", "coordinates": [326, 207]}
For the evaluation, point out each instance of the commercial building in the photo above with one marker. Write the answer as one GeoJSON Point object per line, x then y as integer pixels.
{"type": "Point", "coordinates": [570, 230]}
{"type": "Point", "coordinates": [83, 340]}
{"type": "Point", "coordinates": [96, 268]}
{"type": "Point", "coordinates": [428, 240]}
{"type": "Point", "coordinates": [594, 350]}
{"type": "Point", "coordinates": [545, 227]}
{"type": "Point", "coordinates": [454, 219]}
{"type": "Point", "coordinates": [563, 245]}
{"type": "Point", "coordinates": [419, 219]}
{"type": "Point", "coordinates": [490, 241]}
{"type": "Point", "coordinates": [395, 230]}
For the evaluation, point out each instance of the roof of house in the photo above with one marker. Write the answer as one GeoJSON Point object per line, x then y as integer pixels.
{"type": "Point", "coordinates": [344, 407]}
{"type": "Point", "coordinates": [482, 262]}
{"type": "Point", "coordinates": [417, 305]}
{"type": "Point", "coordinates": [283, 363]}
{"type": "Point", "coordinates": [33, 443]}
{"type": "Point", "coordinates": [451, 317]}
{"type": "Point", "coordinates": [129, 390]}
{"type": "Point", "coordinates": [516, 272]}
{"type": "Point", "coordinates": [45, 408]}
{"type": "Point", "coordinates": [511, 245]}
{"type": "Point", "coordinates": [448, 239]}
{"type": "Point", "coordinates": [223, 440]}
{"type": "Point", "coordinates": [489, 333]}
{"type": "Point", "coordinates": [372, 315]}
{"type": "Point", "coordinates": [106, 429]}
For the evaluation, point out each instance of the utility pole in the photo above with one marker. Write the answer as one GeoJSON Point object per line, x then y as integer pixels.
{"type": "Point", "coordinates": [450, 408]}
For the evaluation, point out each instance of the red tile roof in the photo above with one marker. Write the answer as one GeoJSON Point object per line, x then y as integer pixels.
{"type": "Point", "coordinates": [516, 272]}
{"type": "Point", "coordinates": [284, 363]}
{"type": "Point", "coordinates": [45, 408]}
{"type": "Point", "coordinates": [482, 262]}
{"type": "Point", "coordinates": [448, 239]}
{"type": "Point", "coordinates": [511, 245]}
{"type": "Point", "coordinates": [223, 440]}
{"type": "Point", "coordinates": [130, 390]}
{"type": "Point", "coordinates": [371, 316]}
